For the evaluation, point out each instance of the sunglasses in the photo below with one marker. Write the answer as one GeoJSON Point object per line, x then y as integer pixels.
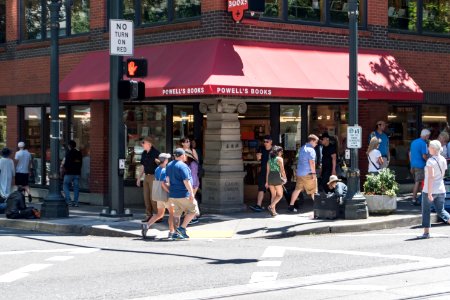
{"type": "Point", "coordinates": [379, 124]}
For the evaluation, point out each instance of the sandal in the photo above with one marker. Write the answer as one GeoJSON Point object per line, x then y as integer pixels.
{"type": "Point", "coordinates": [271, 211]}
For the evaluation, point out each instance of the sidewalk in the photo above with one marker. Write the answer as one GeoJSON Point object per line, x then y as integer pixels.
{"type": "Point", "coordinates": [85, 220]}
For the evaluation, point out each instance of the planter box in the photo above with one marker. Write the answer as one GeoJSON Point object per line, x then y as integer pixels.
{"type": "Point", "coordinates": [381, 204]}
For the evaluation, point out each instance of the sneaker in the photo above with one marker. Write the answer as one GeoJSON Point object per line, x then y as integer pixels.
{"type": "Point", "coordinates": [144, 230]}
{"type": "Point", "coordinates": [424, 236]}
{"type": "Point", "coordinates": [256, 208]}
{"type": "Point", "coordinates": [182, 232]}
{"type": "Point", "coordinates": [291, 208]}
{"type": "Point", "coordinates": [71, 203]}
{"type": "Point", "coordinates": [194, 221]}
{"type": "Point", "coordinates": [177, 237]}
{"type": "Point", "coordinates": [76, 205]}
{"type": "Point", "coordinates": [170, 236]}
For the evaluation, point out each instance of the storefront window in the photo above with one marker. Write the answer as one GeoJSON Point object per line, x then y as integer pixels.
{"type": "Point", "coordinates": [183, 123]}
{"type": "Point", "coordinates": [290, 131]}
{"type": "Point", "coordinates": [402, 14]}
{"type": "Point", "coordinates": [3, 120]}
{"type": "Point", "coordinates": [435, 119]}
{"type": "Point", "coordinates": [2, 21]}
{"type": "Point", "coordinates": [187, 8]}
{"type": "Point", "coordinates": [403, 128]}
{"type": "Point", "coordinates": [62, 142]}
{"type": "Point", "coordinates": [80, 133]}
{"type": "Point", "coordinates": [80, 16]}
{"type": "Point", "coordinates": [339, 11]}
{"type": "Point", "coordinates": [306, 10]}
{"type": "Point", "coordinates": [31, 20]}
{"type": "Point", "coordinates": [273, 8]}
{"type": "Point", "coordinates": [142, 121]}
{"type": "Point", "coordinates": [436, 16]}
{"type": "Point", "coordinates": [32, 136]}
{"type": "Point", "coordinates": [154, 11]}
{"type": "Point", "coordinates": [255, 124]}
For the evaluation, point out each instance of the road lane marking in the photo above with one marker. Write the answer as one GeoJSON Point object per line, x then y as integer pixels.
{"type": "Point", "coordinates": [59, 258]}
{"type": "Point", "coordinates": [269, 263]}
{"type": "Point", "coordinates": [274, 251]}
{"type": "Point", "coordinates": [23, 272]}
{"type": "Point", "coordinates": [69, 250]}
{"type": "Point", "coordinates": [263, 277]}
{"type": "Point", "coordinates": [346, 287]}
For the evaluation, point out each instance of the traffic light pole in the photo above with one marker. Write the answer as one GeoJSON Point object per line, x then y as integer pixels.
{"type": "Point", "coordinates": [355, 205]}
{"type": "Point", "coordinates": [116, 132]}
{"type": "Point", "coordinates": [54, 205]}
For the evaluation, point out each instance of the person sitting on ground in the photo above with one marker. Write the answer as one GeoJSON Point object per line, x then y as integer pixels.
{"type": "Point", "coordinates": [338, 188]}
{"type": "Point", "coordinates": [16, 207]}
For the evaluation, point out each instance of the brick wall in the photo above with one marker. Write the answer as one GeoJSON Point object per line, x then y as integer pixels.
{"type": "Point", "coordinates": [377, 12]}
{"type": "Point", "coordinates": [12, 126]}
{"type": "Point", "coordinates": [12, 33]}
{"type": "Point", "coordinates": [212, 5]}
{"type": "Point", "coordinates": [99, 147]}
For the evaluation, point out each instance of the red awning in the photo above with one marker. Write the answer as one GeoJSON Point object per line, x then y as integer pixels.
{"type": "Point", "coordinates": [248, 68]}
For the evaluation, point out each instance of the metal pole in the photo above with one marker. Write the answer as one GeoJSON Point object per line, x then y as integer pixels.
{"type": "Point", "coordinates": [54, 205]}
{"type": "Point", "coordinates": [116, 131]}
{"type": "Point", "coordinates": [355, 206]}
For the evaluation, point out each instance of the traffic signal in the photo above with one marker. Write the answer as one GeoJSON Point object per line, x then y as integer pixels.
{"type": "Point", "coordinates": [136, 67]}
{"type": "Point", "coordinates": [131, 89]}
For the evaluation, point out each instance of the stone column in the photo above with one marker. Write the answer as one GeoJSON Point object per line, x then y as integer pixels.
{"type": "Point", "coordinates": [223, 182]}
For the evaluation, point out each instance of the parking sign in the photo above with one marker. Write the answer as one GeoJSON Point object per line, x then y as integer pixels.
{"type": "Point", "coordinates": [354, 137]}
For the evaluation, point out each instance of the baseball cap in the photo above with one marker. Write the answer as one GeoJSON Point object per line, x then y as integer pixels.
{"type": "Point", "coordinates": [178, 152]}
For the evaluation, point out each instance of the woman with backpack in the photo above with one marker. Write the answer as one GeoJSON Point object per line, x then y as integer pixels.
{"type": "Point", "coordinates": [275, 178]}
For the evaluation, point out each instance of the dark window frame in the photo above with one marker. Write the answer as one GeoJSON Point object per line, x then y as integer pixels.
{"type": "Point", "coordinates": [328, 23]}
{"type": "Point", "coordinates": [419, 25]}
{"type": "Point", "coordinates": [3, 32]}
{"type": "Point", "coordinates": [45, 14]}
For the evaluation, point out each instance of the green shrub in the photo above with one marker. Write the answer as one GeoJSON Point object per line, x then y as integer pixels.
{"type": "Point", "coordinates": [382, 183]}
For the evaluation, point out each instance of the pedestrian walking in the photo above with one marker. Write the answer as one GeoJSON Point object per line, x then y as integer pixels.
{"type": "Point", "coordinates": [148, 161]}
{"type": "Point", "coordinates": [328, 161]}
{"type": "Point", "coordinates": [384, 142]}
{"type": "Point", "coordinates": [275, 178]}
{"type": "Point", "coordinates": [162, 199]}
{"type": "Point", "coordinates": [263, 156]}
{"type": "Point", "coordinates": [7, 173]}
{"type": "Point", "coordinates": [72, 171]}
{"type": "Point", "coordinates": [193, 164]}
{"type": "Point", "coordinates": [434, 188]}
{"type": "Point", "coordinates": [24, 167]}
{"type": "Point", "coordinates": [181, 193]}
{"type": "Point", "coordinates": [444, 138]}
{"type": "Point", "coordinates": [306, 179]}
{"type": "Point", "coordinates": [187, 145]}
{"type": "Point", "coordinates": [374, 157]}
{"type": "Point", "coordinates": [418, 155]}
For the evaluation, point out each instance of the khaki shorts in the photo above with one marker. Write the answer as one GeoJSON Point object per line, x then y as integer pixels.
{"type": "Point", "coordinates": [164, 204]}
{"type": "Point", "coordinates": [307, 183]}
{"type": "Point", "coordinates": [418, 174]}
{"type": "Point", "coordinates": [184, 205]}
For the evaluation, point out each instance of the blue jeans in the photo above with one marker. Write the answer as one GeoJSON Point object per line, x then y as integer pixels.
{"type": "Point", "coordinates": [439, 201]}
{"type": "Point", "coordinates": [68, 179]}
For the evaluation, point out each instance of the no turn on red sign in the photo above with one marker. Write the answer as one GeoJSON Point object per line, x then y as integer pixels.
{"type": "Point", "coordinates": [121, 37]}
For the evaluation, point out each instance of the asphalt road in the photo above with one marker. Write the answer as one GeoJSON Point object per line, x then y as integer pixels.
{"type": "Point", "coordinates": [388, 264]}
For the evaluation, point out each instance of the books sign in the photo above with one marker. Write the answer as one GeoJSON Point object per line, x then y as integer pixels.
{"type": "Point", "coordinates": [237, 8]}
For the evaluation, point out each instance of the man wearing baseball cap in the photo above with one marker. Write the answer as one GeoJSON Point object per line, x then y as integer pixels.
{"type": "Point", "coordinates": [181, 193]}
{"type": "Point", "coordinates": [418, 155]}
{"type": "Point", "coordinates": [23, 168]}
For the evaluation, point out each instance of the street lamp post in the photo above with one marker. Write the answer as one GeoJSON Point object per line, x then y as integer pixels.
{"type": "Point", "coordinates": [54, 205]}
{"type": "Point", "coordinates": [355, 206]}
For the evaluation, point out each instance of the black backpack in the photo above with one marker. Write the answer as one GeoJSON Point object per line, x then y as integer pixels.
{"type": "Point", "coordinates": [16, 207]}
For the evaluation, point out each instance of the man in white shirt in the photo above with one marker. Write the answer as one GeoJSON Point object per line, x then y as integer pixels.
{"type": "Point", "coordinates": [23, 168]}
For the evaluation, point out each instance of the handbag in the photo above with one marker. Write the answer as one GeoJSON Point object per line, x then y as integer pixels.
{"type": "Point", "coordinates": [158, 193]}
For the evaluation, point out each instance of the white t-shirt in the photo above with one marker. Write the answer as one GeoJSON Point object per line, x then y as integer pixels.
{"type": "Point", "coordinates": [23, 158]}
{"type": "Point", "coordinates": [373, 160]}
{"type": "Point", "coordinates": [438, 180]}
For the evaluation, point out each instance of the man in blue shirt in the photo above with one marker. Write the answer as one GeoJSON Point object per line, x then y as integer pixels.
{"type": "Point", "coordinates": [181, 193]}
{"type": "Point", "coordinates": [306, 171]}
{"type": "Point", "coordinates": [384, 145]}
{"type": "Point", "coordinates": [418, 155]}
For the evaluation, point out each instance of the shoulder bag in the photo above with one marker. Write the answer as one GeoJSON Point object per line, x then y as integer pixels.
{"type": "Point", "coordinates": [158, 193]}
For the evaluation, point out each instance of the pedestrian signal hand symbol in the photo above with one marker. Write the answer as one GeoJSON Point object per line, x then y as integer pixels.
{"type": "Point", "coordinates": [136, 67]}
{"type": "Point", "coordinates": [132, 68]}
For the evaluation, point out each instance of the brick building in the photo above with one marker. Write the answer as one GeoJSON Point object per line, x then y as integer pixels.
{"type": "Point", "coordinates": [288, 65]}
